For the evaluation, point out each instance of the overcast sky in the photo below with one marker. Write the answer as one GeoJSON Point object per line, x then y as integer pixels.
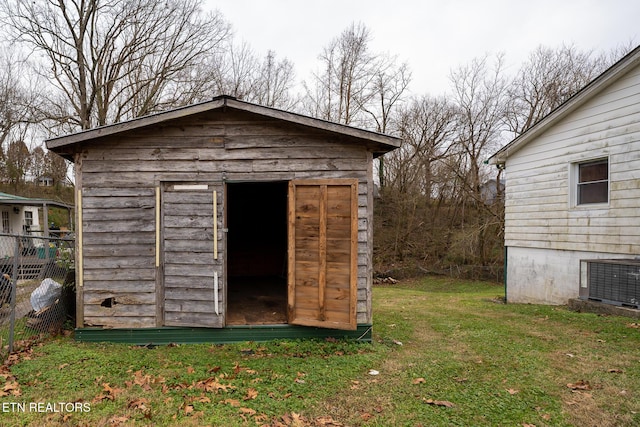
{"type": "Point", "coordinates": [432, 36]}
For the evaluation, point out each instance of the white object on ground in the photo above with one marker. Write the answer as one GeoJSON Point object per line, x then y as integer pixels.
{"type": "Point", "coordinates": [46, 294]}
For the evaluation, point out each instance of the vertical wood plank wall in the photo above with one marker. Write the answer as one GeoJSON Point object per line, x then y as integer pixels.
{"type": "Point", "coordinates": [323, 264]}
{"type": "Point", "coordinates": [189, 260]}
{"type": "Point", "coordinates": [119, 177]}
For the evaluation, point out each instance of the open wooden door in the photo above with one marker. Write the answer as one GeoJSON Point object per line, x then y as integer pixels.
{"type": "Point", "coordinates": [193, 255]}
{"type": "Point", "coordinates": [323, 253]}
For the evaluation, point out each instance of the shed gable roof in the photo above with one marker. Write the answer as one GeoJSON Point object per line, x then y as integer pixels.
{"type": "Point", "coordinates": [384, 143]}
{"type": "Point", "coordinates": [591, 90]}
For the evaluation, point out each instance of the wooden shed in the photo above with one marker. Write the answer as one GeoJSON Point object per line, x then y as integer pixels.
{"type": "Point", "coordinates": [223, 221]}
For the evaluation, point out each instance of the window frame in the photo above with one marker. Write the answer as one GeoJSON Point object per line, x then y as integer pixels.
{"type": "Point", "coordinates": [28, 218]}
{"type": "Point", "coordinates": [6, 222]}
{"type": "Point", "coordinates": [575, 183]}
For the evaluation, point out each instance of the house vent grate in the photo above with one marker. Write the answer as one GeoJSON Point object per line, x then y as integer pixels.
{"type": "Point", "coordinates": [614, 282]}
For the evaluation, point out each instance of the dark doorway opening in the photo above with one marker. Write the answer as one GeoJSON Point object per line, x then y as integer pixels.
{"type": "Point", "coordinates": [256, 253]}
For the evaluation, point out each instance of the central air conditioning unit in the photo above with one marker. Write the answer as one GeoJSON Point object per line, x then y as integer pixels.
{"type": "Point", "coordinates": [612, 281]}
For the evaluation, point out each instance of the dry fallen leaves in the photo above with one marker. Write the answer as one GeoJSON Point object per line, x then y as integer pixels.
{"type": "Point", "coordinates": [212, 385]}
{"type": "Point", "coordinates": [252, 393]}
{"type": "Point", "coordinates": [326, 421]}
{"type": "Point", "coordinates": [233, 402]}
{"type": "Point", "coordinates": [419, 381]}
{"type": "Point", "coordinates": [141, 379]}
{"type": "Point", "coordinates": [110, 393]}
{"type": "Point", "coordinates": [247, 411]}
{"type": "Point", "coordinates": [140, 403]}
{"type": "Point", "coordinates": [299, 377]}
{"type": "Point", "coordinates": [366, 416]}
{"type": "Point", "coordinates": [580, 385]}
{"type": "Point", "coordinates": [203, 399]}
{"type": "Point", "coordinates": [118, 420]}
{"type": "Point", "coordinates": [444, 403]}
{"type": "Point", "coordinates": [11, 388]}
{"type": "Point", "coordinates": [23, 350]}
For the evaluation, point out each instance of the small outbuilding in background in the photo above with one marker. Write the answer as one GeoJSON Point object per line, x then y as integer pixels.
{"type": "Point", "coordinates": [223, 221]}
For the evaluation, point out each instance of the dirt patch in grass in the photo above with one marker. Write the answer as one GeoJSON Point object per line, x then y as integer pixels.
{"type": "Point", "coordinates": [585, 408]}
{"type": "Point", "coordinates": [595, 386]}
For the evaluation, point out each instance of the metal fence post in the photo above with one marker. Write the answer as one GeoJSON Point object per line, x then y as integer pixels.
{"type": "Point", "coordinates": [14, 283]}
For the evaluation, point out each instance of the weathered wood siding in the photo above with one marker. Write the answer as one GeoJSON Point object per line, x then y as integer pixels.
{"type": "Point", "coordinates": [190, 259]}
{"type": "Point", "coordinates": [323, 249]}
{"type": "Point", "coordinates": [119, 257]}
{"type": "Point", "coordinates": [539, 213]}
{"type": "Point", "coordinates": [119, 174]}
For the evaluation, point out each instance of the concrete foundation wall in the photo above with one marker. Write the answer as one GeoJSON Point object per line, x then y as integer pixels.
{"type": "Point", "coordinates": [546, 276]}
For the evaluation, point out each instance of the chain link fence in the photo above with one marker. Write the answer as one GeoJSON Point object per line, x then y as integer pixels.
{"type": "Point", "coordinates": [37, 289]}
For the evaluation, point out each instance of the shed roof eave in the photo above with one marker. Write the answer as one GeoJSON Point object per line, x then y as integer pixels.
{"type": "Point", "coordinates": [85, 135]}
{"type": "Point", "coordinates": [386, 142]}
{"type": "Point", "coordinates": [320, 124]}
{"type": "Point", "coordinates": [35, 202]}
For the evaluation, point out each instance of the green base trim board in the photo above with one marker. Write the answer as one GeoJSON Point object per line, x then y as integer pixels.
{"type": "Point", "coordinates": [228, 335]}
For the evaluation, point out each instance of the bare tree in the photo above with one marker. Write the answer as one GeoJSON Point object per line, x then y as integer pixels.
{"type": "Point", "coordinates": [17, 162]}
{"type": "Point", "coordinates": [56, 168]}
{"type": "Point", "coordinates": [238, 72]}
{"type": "Point", "coordinates": [234, 71]}
{"type": "Point", "coordinates": [274, 82]}
{"type": "Point", "coordinates": [339, 91]}
{"type": "Point", "coordinates": [38, 165]}
{"type": "Point", "coordinates": [548, 78]}
{"type": "Point", "coordinates": [426, 126]}
{"type": "Point", "coordinates": [388, 88]}
{"type": "Point", "coordinates": [17, 98]}
{"type": "Point", "coordinates": [114, 60]}
{"type": "Point", "coordinates": [480, 101]}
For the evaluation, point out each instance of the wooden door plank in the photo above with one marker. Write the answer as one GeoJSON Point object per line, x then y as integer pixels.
{"type": "Point", "coordinates": [323, 253]}
{"type": "Point", "coordinates": [190, 215]}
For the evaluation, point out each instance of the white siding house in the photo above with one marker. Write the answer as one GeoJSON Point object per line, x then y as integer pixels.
{"type": "Point", "coordinates": [21, 216]}
{"type": "Point", "coordinates": [573, 188]}
{"type": "Point", "coordinates": [18, 217]}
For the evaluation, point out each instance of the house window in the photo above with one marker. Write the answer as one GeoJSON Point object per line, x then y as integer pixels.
{"type": "Point", "coordinates": [28, 220]}
{"type": "Point", "coordinates": [6, 226]}
{"type": "Point", "coordinates": [593, 182]}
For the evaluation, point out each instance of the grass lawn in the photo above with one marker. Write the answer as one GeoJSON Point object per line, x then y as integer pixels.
{"type": "Point", "coordinates": [446, 353]}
